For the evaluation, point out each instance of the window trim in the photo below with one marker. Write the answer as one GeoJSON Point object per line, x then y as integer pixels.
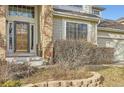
{"type": "Point", "coordinates": [78, 22]}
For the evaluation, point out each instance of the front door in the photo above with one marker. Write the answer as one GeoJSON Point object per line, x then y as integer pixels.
{"type": "Point", "coordinates": [21, 37]}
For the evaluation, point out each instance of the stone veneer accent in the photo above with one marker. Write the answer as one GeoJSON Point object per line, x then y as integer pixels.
{"type": "Point", "coordinates": [2, 32]}
{"type": "Point", "coordinates": [47, 31]}
{"type": "Point", "coordinates": [95, 81]}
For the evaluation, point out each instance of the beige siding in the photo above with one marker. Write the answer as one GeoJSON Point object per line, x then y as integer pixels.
{"type": "Point", "coordinates": [84, 8]}
{"type": "Point", "coordinates": [57, 29]}
{"type": "Point", "coordinates": [93, 33]}
{"type": "Point", "coordinates": [113, 40]}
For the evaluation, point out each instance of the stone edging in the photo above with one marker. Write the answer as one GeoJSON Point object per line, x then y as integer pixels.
{"type": "Point", "coordinates": [95, 81]}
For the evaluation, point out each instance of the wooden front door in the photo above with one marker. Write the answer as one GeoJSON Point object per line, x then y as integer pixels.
{"type": "Point", "coordinates": [21, 37]}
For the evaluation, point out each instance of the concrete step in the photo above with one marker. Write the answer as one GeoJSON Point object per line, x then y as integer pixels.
{"type": "Point", "coordinates": [35, 58]}
{"type": "Point", "coordinates": [33, 61]}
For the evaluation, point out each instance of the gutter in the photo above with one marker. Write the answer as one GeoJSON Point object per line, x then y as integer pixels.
{"type": "Point", "coordinates": [106, 29]}
{"type": "Point", "coordinates": [75, 16]}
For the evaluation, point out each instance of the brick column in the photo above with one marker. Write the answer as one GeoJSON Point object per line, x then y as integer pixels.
{"type": "Point", "coordinates": [47, 32]}
{"type": "Point", "coordinates": [2, 32]}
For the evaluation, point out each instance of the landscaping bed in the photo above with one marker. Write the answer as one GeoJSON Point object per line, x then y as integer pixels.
{"type": "Point", "coordinates": [55, 73]}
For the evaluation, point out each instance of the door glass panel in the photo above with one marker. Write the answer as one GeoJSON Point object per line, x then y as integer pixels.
{"type": "Point", "coordinates": [21, 37]}
{"type": "Point", "coordinates": [10, 36]}
{"type": "Point", "coordinates": [32, 37]}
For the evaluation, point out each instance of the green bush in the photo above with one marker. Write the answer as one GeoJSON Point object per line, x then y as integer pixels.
{"type": "Point", "coordinates": [11, 84]}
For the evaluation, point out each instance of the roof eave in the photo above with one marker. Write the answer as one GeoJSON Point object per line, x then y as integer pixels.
{"type": "Point", "coordinates": [55, 13]}
{"type": "Point", "coordinates": [110, 30]}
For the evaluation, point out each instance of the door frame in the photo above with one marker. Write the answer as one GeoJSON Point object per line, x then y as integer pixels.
{"type": "Point", "coordinates": [28, 35]}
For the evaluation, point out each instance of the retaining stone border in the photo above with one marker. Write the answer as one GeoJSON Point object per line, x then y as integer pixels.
{"type": "Point", "coordinates": [95, 81]}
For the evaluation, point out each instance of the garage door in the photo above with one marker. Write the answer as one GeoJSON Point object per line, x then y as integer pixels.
{"type": "Point", "coordinates": [117, 44]}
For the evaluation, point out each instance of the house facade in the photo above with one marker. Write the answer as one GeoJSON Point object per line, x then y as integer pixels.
{"type": "Point", "coordinates": [29, 31]}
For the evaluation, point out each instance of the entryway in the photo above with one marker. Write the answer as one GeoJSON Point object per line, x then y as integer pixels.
{"type": "Point", "coordinates": [22, 31]}
{"type": "Point", "coordinates": [21, 37]}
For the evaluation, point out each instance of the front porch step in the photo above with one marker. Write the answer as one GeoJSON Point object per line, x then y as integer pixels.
{"type": "Point", "coordinates": [33, 61]}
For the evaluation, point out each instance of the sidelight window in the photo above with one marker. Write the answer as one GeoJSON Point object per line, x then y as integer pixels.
{"type": "Point", "coordinates": [32, 37]}
{"type": "Point", "coordinates": [10, 36]}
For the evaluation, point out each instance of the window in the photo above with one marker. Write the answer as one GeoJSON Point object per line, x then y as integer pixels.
{"type": "Point", "coordinates": [32, 36]}
{"type": "Point", "coordinates": [76, 31]}
{"type": "Point", "coordinates": [19, 10]}
{"type": "Point", "coordinates": [10, 35]}
{"type": "Point", "coordinates": [96, 12]}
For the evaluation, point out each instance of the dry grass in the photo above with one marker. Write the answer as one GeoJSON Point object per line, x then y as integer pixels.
{"type": "Point", "coordinates": [55, 73]}
{"type": "Point", "coordinates": [113, 76]}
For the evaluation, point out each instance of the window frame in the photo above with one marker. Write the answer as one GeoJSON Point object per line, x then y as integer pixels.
{"type": "Point", "coordinates": [79, 23]}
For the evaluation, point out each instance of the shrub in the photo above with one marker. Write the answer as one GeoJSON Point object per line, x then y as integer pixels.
{"type": "Point", "coordinates": [103, 55]}
{"type": "Point", "coordinates": [3, 70]}
{"type": "Point", "coordinates": [14, 71]}
{"type": "Point", "coordinates": [72, 53]}
{"type": "Point", "coordinates": [11, 84]}
{"type": "Point", "coordinates": [19, 71]}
